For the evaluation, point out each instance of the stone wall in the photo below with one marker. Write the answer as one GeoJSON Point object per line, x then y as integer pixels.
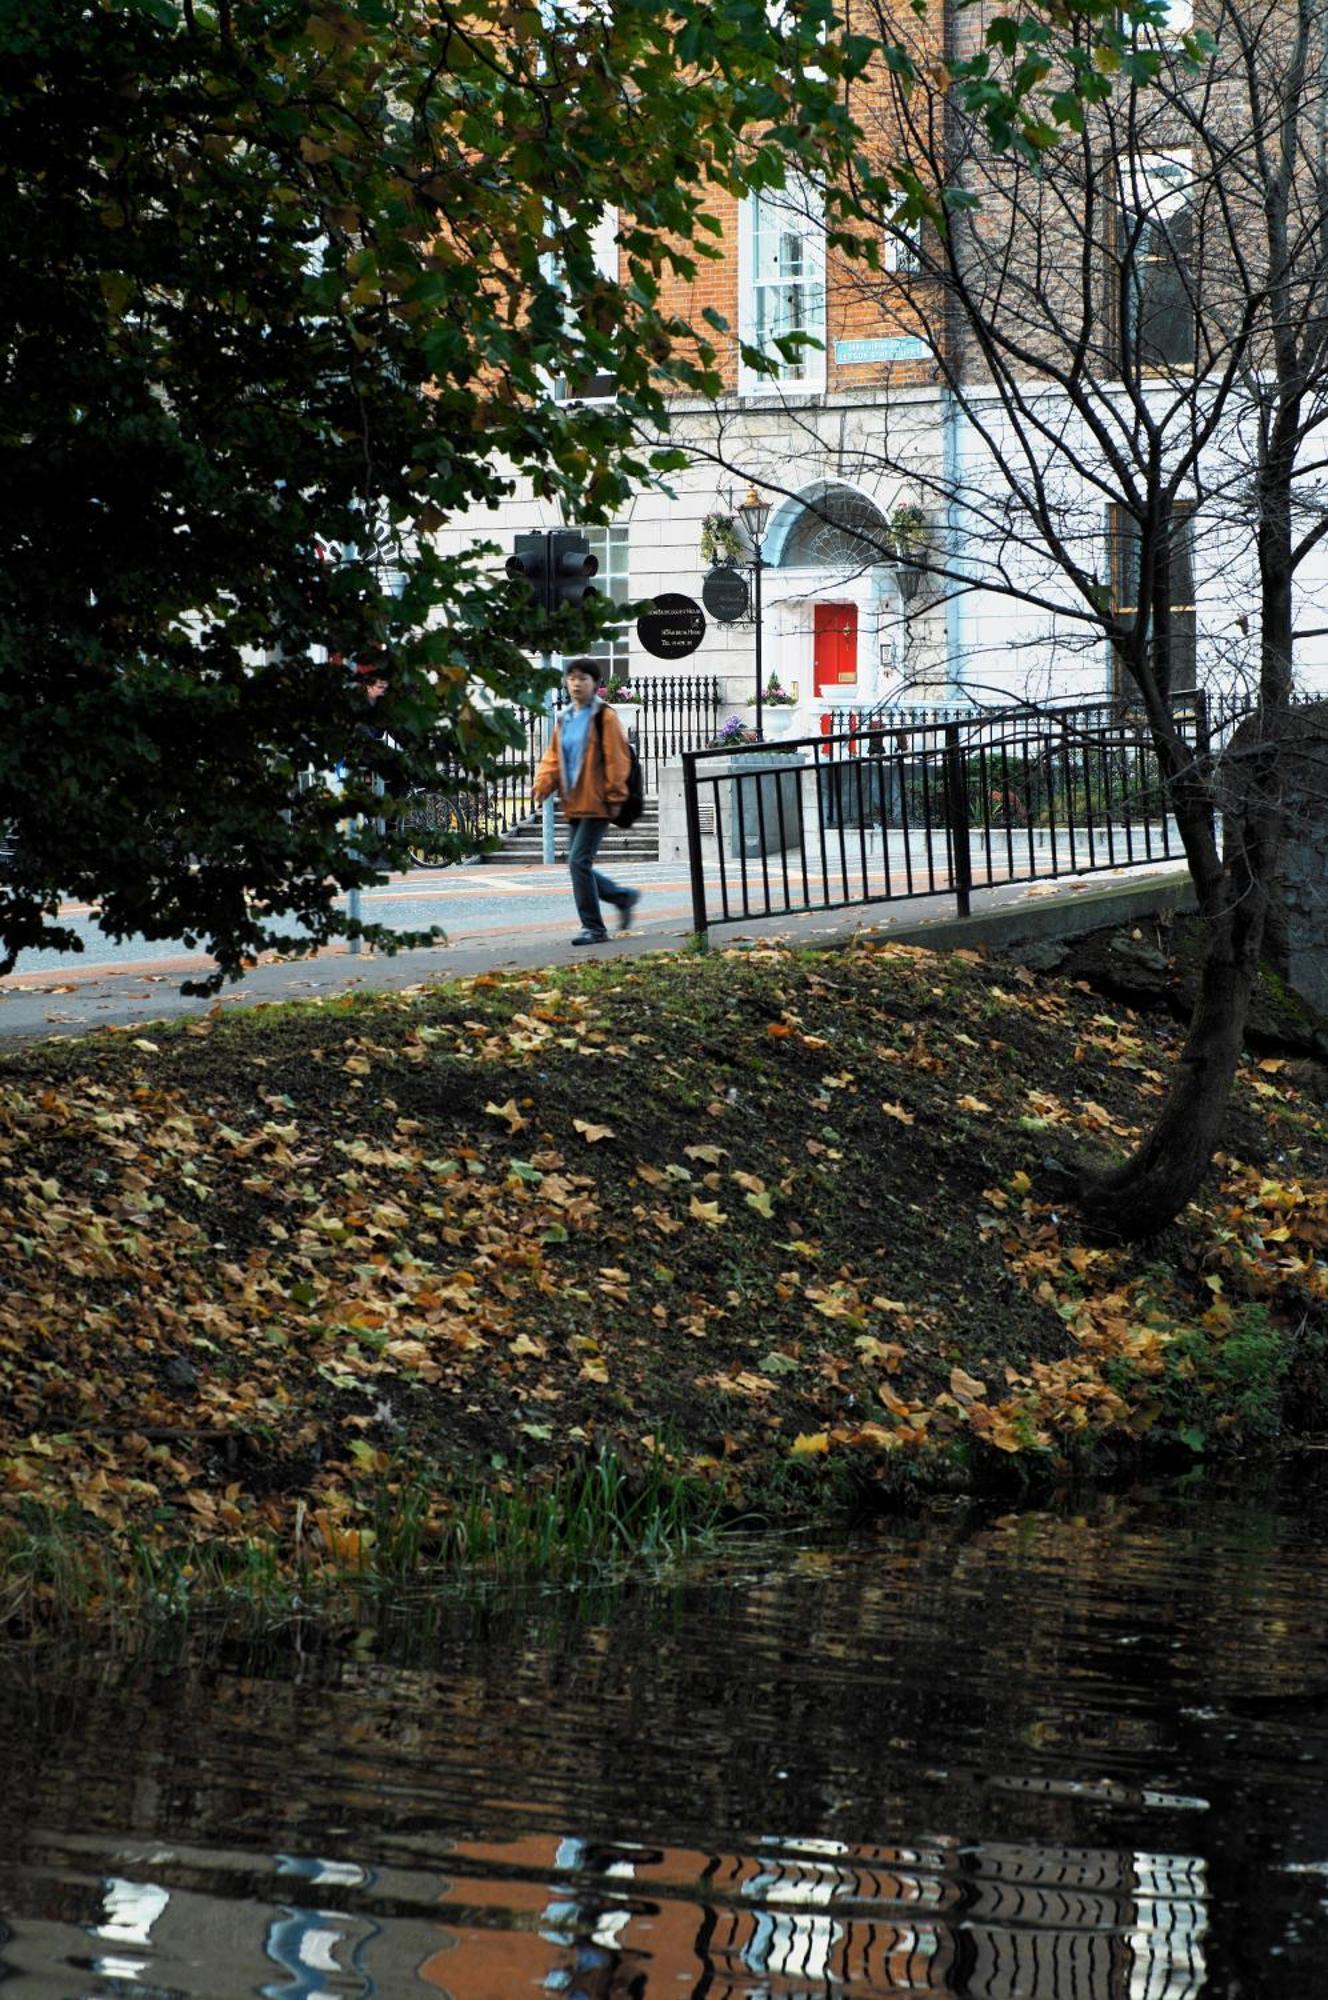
{"type": "Point", "coordinates": [1297, 938]}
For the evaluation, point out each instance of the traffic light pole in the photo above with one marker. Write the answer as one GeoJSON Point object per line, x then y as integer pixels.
{"type": "Point", "coordinates": [549, 823]}
{"type": "Point", "coordinates": [553, 569]}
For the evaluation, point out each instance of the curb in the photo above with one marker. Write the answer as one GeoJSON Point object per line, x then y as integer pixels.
{"type": "Point", "coordinates": [1074, 916]}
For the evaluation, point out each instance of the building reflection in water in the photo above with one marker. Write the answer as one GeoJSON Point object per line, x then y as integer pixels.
{"type": "Point", "coordinates": [602, 1920]}
{"type": "Point", "coordinates": [814, 1918]}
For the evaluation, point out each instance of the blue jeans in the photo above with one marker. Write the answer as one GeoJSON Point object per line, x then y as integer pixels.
{"type": "Point", "coordinates": [588, 885]}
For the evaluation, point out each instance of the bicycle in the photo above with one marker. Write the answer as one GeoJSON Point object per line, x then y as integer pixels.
{"type": "Point", "coordinates": [460, 815]}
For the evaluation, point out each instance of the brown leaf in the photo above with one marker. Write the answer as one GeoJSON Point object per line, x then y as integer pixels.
{"type": "Point", "coordinates": [966, 1388]}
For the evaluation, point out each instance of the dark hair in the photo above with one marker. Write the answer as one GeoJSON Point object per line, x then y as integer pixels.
{"type": "Point", "coordinates": [582, 667]}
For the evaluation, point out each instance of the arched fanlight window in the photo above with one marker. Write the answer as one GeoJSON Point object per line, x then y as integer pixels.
{"type": "Point", "coordinates": [841, 531]}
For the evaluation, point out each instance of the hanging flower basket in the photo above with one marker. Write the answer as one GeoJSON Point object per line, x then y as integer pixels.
{"type": "Point", "coordinates": [908, 535]}
{"type": "Point", "coordinates": [720, 541]}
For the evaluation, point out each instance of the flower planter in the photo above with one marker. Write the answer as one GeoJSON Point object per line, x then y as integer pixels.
{"type": "Point", "coordinates": [778, 722]}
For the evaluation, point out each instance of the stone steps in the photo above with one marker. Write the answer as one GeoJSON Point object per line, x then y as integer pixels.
{"type": "Point", "coordinates": [524, 845]}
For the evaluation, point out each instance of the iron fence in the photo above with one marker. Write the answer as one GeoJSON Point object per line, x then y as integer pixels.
{"type": "Point", "coordinates": [678, 712]}
{"type": "Point", "coordinates": [884, 807]}
{"type": "Point", "coordinates": [675, 713]}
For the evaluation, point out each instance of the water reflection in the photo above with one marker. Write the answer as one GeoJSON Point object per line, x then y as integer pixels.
{"type": "Point", "coordinates": [1048, 1758]}
{"type": "Point", "coordinates": [608, 1921]}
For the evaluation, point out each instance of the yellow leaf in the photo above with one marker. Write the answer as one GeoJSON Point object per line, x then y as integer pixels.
{"type": "Point", "coordinates": [762, 1203]}
{"type": "Point", "coordinates": [1002, 1433]}
{"type": "Point", "coordinates": [592, 1134]}
{"type": "Point", "coordinates": [515, 1122]}
{"type": "Point", "coordinates": [708, 1212]}
{"type": "Point", "coordinates": [876, 1436]}
{"type": "Point", "coordinates": [972, 1104]}
{"type": "Point", "coordinates": [898, 1111]}
{"type": "Point", "coordinates": [712, 1155]}
{"type": "Point", "coordinates": [888, 1352]}
{"type": "Point", "coordinates": [141, 1042]}
{"type": "Point", "coordinates": [810, 1444]}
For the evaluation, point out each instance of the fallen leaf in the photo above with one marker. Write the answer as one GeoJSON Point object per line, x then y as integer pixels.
{"type": "Point", "coordinates": [592, 1134]}
{"type": "Point", "coordinates": [810, 1444]}
{"type": "Point", "coordinates": [898, 1111]}
{"type": "Point", "coordinates": [708, 1212]}
{"type": "Point", "coordinates": [966, 1388]}
{"type": "Point", "coordinates": [778, 1363]}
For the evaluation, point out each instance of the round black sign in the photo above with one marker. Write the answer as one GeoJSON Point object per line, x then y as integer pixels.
{"type": "Point", "coordinates": [724, 594]}
{"type": "Point", "coordinates": [673, 627]}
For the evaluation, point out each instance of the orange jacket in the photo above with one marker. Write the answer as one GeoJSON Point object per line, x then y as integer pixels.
{"type": "Point", "coordinates": [602, 780]}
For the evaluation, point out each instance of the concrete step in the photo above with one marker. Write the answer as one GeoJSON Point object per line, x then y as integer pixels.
{"type": "Point", "coordinates": [525, 843]}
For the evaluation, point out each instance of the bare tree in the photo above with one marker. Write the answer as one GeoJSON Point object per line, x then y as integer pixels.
{"type": "Point", "coordinates": [1130, 335]}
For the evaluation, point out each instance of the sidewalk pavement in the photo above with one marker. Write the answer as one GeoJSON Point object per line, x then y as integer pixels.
{"type": "Point", "coordinates": [518, 918]}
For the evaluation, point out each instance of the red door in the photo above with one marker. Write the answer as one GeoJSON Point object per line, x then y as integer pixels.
{"type": "Point", "coordinates": [835, 660]}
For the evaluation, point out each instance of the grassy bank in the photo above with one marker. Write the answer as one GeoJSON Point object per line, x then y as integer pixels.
{"type": "Point", "coordinates": [389, 1283]}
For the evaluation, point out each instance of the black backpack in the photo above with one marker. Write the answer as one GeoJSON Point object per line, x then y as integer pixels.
{"type": "Point", "coordinates": [632, 807]}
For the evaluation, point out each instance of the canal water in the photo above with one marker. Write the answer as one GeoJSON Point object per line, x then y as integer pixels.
{"type": "Point", "coordinates": [1070, 1755]}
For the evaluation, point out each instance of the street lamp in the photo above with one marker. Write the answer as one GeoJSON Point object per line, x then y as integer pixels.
{"type": "Point", "coordinates": [754, 514]}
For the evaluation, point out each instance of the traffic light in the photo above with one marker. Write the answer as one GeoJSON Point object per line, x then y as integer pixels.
{"type": "Point", "coordinates": [571, 566]}
{"type": "Point", "coordinates": [530, 566]}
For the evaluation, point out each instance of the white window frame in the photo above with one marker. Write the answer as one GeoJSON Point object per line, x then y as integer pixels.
{"type": "Point", "coordinates": [1155, 186]}
{"type": "Point", "coordinates": [903, 247]}
{"type": "Point", "coordinates": [612, 546]}
{"type": "Point", "coordinates": [803, 206]}
{"type": "Point", "coordinates": [604, 249]}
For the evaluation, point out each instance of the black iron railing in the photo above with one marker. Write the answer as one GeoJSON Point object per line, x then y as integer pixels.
{"type": "Point", "coordinates": [678, 712]}
{"type": "Point", "coordinates": [674, 712]}
{"type": "Point", "coordinates": [884, 807]}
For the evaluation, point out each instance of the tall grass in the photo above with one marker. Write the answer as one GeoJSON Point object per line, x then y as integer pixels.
{"type": "Point", "coordinates": [61, 1571]}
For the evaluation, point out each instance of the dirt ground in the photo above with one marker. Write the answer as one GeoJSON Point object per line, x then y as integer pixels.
{"type": "Point", "coordinates": [777, 1219]}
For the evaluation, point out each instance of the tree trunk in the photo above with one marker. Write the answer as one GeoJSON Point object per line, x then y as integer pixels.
{"type": "Point", "coordinates": [1149, 1190]}
{"type": "Point", "coordinates": [1140, 1197]}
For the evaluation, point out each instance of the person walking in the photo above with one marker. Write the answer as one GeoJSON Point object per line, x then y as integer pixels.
{"type": "Point", "coordinates": [587, 764]}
